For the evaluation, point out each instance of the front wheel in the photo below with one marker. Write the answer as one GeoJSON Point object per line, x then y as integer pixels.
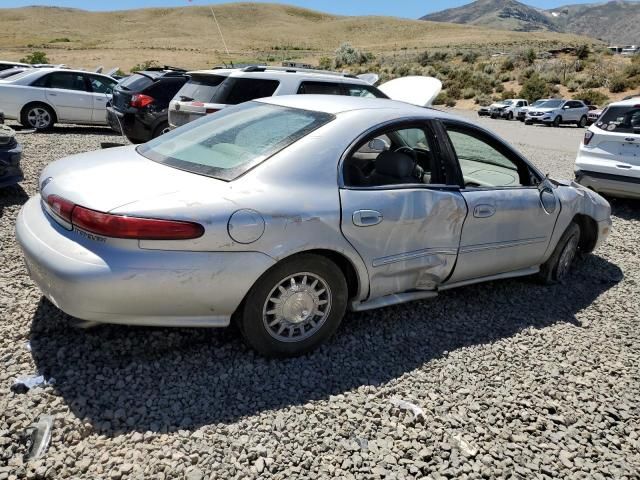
{"type": "Point", "coordinates": [559, 264]}
{"type": "Point", "coordinates": [294, 307]}
{"type": "Point", "coordinates": [510, 116]}
{"type": "Point", "coordinates": [557, 121]}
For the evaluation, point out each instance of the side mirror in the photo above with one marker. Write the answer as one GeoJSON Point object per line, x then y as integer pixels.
{"type": "Point", "coordinates": [566, 107]}
{"type": "Point", "coordinates": [377, 145]}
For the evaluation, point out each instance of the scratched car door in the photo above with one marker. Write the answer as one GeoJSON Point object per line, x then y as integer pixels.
{"type": "Point", "coordinates": [407, 232]}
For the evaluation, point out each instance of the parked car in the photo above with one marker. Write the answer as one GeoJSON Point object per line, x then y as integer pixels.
{"type": "Point", "coordinates": [4, 65]}
{"type": "Point", "coordinates": [608, 160]}
{"type": "Point", "coordinates": [10, 72]}
{"type": "Point", "coordinates": [140, 104]}
{"type": "Point", "coordinates": [508, 109]}
{"type": "Point", "coordinates": [209, 91]}
{"type": "Point", "coordinates": [557, 111]}
{"type": "Point", "coordinates": [10, 155]}
{"type": "Point", "coordinates": [282, 213]}
{"type": "Point", "coordinates": [594, 114]}
{"type": "Point", "coordinates": [523, 111]}
{"type": "Point", "coordinates": [484, 111]}
{"type": "Point", "coordinates": [41, 97]}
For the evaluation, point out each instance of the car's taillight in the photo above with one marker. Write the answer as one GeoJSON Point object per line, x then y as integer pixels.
{"type": "Point", "coordinates": [61, 206]}
{"type": "Point", "coordinates": [211, 110]}
{"type": "Point", "coordinates": [121, 226]}
{"type": "Point", "coordinates": [140, 100]}
{"type": "Point", "coordinates": [588, 135]}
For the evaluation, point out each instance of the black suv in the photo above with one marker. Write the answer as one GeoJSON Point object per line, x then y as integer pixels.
{"type": "Point", "coordinates": [140, 103]}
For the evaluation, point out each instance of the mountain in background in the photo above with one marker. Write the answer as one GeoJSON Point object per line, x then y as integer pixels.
{"type": "Point", "coordinates": [616, 21]}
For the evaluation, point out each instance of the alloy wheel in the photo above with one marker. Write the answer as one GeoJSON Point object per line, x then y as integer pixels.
{"type": "Point", "coordinates": [39, 118]}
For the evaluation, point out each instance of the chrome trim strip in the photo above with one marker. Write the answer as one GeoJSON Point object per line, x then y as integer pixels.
{"type": "Point", "coordinates": [500, 276]}
{"type": "Point", "coordinates": [497, 245]}
{"type": "Point", "coordinates": [403, 257]}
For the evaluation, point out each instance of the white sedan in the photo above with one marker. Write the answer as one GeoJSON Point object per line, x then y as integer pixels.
{"type": "Point", "coordinates": [41, 97]}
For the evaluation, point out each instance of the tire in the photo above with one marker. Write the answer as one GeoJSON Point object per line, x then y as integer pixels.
{"type": "Point", "coordinates": [510, 116]}
{"type": "Point", "coordinates": [298, 285]}
{"type": "Point", "coordinates": [160, 129]}
{"type": "Point", "coordinates": [528, 123]}
{"type": "Point", "coordinates": [557, 121]}
{"type": "Point", "coordinates": [557, 267]}
{"type": "Point", "coordinates": [583, 122]}
{"type": "Point", "coordinates": [38, 116]}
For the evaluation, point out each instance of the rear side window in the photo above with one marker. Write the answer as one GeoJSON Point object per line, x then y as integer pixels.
{"type": "Point", "coordinates": [165, 89]}
{"type": "Point", "coordinates": [620, 119]}
{"type": "Point", "coordinates": [363, 91]}
{"type": "Point", "coordinates": [239, 90]}
{"type": "Point", "coordinates": [320, 88]}
{"type": "Point", "coordinates": [135, 82]}
{"type": "Point", "coordinates": [64, 81]}
{"type": "Point", "coordinates": [200, 88]}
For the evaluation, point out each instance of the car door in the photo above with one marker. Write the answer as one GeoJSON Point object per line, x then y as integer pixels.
{"type": "Point", "coordinates": [69, 94]}
{"type": "Point", "coordinates": [406, 231]}
{"type": "Point", "coordinates": [574, 112]}
{"type": "Point", "coordinates": [101, 91]}
{"type": "Point", "coordinates": [508, 227]}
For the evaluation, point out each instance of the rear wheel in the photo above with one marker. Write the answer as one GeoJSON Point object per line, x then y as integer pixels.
{"type": "Point", "coordinates": [294, 307]}
{"type": "Point", "coordinates": [161, 129]}
{"type": "Point", "coordinates": [37, 116]}
{"type": "Point", "coordinates": [557, 121]}
{"type": "Point", "coordinates": [559, 264]}
{"type": "Point", "coordinates": [583, 122]}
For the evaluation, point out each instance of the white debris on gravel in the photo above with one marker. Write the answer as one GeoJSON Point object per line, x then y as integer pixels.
{"type": "Point", "coordinates": [537, 382]}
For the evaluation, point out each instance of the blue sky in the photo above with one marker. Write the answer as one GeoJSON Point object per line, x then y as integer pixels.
{"type": "Point", "coordinates": [400, 8]}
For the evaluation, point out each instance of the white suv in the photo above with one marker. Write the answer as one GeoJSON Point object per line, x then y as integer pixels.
{"type": "Point", "coordinates": [557, 111]}
{"type": "Point", "coordinates": [509, 108]}
{"type": "Point", "coordinates": [208, 91]}
{"type": "Point", "coordinates": [609, 157]}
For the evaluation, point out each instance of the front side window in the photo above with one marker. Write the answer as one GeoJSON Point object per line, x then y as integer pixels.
{"type": "Point", "coordinates": [620, 119]}
{"type": "Point", "coordinates": [101, 85]}
{"type": "Point", "coordinates": [67, 81]}
{"type": "Point", "coordinates": [482, 164]}
{"type": "Point", "coordinates": [234, 140]}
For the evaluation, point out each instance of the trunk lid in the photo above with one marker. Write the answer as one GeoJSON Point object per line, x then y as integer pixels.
{"type": "Point", "coordinates": [106, 180]}
{"type": "Point", "coordinates": [420, 91]}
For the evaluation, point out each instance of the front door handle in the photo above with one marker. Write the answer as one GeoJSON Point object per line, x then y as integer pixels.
{"type": "Point", "coordinates": [366, 218]}
{"type": "Point", "coordinates": [484, 211]}
{"type": "Point", "coordinates": [52, 94]}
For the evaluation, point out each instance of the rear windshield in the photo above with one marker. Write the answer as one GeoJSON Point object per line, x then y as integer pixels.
{"type": "Point", "coordinates": [234, 140]}
{"type": "Point", "coordinates": [238, 90]}
{"type": "Point", "coordinates": [551, 104]}
{"type": "Point", "coordinates": [620, 119]}
{"type": "Point", "coordinates": [200, 88]}
{"type": "Point", "coordinates": [135, 83]}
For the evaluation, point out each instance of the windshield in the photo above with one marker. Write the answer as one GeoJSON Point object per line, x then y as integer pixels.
{"type": "Point", "coordinates": [505, 102]}
{"type": "Point", "coordinates": [234, 140]}
{"type": "Point", "coordinates": [200, 88]}
{"type": "Point", "coordinates": [551, 104]}
{"type": "Point", "coordinates": [620, 119]}
{"type": "Point", "coordinates": [537, 103]}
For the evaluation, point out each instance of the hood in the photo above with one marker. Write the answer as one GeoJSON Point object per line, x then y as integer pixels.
{"type": "Point", "coordinates": [420, 91]}
{"type": "Point", "coordinates": [544, 110]}
{"type": "Point", "coordinates": [112, 178]}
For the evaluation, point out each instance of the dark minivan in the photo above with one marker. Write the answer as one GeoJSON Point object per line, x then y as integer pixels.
{"type": "Point", "coordinates": [139, 107]}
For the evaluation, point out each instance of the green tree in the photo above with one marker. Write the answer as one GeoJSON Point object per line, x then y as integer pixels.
{"type": "Point", "coordinates": [35, 57]}
{"type": "Point", "coordinates": [534, 88]}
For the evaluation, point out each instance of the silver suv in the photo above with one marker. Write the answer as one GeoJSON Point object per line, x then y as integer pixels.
{"type": "Point", "coordinates": [208, 91]}
{"type": "Point", "coordinates": [557, 111]}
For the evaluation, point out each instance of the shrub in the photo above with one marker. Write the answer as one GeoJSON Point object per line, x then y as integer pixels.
{"type": "Point", "coordinates": [450, 102]}
{"type": "Point", "coordinates": [35, 57]}
{"type": "Point", "coordinates": [508, 65]}
{"type": "Point", "coordinates": [572, 85]}
{"type": "Point", "coordinates": [325, 63]}
{"type": "Point", "coordinates": [508, 94]}
{"type": "Point", "coordinates": [582, 52]}
{"type": "Point", "coordinates": [441, 99]}
{"type": "Point", "coordinates": [500, 88]}
{"type": "Point", "coordinates": [482, 100]}
{"type": "Point", "coordinates": [454, 92]}
{"type": "Point", "coordinates": [530, 56]}
{"type": "Point", "coordinates": [534, 88]}
{"type": "Point", "coordinates": [60, 40]}
{"type": "Point", "coordinates": [144, 66]}
{"type": "Point", "coordinates": [489, 69]}
{"type": "Point", "coordinates": [470, 57]}
{"type": "Point", "coordinates": [468, 93]}
{"type": "Point", "coordinates": [592, 97]}
{"type": "Point", "coordinates": [618, 84]}
{"type": "Point", "coordinates": [346, 54]}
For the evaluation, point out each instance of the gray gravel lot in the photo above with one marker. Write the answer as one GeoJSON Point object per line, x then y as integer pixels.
{"type": "Point", "coordinates": [516, 380]}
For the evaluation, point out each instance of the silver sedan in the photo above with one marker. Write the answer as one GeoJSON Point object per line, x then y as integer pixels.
{"type": "Point", "coordinates": [281, 214]}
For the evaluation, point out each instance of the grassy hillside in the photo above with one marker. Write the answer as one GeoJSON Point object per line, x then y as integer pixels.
{"type": "Point", "coordinates": [188, 37]}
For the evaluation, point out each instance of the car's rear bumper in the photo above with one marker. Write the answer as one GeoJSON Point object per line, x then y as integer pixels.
{"type": "Point", "coordinates": [614, 185]}
{"type": "Point", "coordinates": [10, 171]}
{"type": "Point", "coordinates": [103, 282]}
{"type": "Point", "coordinates": [138, 126]}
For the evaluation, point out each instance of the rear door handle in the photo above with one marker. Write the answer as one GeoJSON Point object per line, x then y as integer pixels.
{"type": "Point", "coordinates": [366, 218]}
{"type": "Point", "coordinates": [484, 211]}
{"type": "Point", "coordinates": [52, 94]}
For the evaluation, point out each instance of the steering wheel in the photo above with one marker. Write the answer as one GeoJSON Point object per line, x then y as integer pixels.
{"type": "Point", "coordinates": [418, 171]}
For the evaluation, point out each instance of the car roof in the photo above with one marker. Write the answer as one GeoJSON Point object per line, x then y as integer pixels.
{"type": "Point", "coordinates": [632, 102]}
{"type": "Point", "coordinates": [335, 104]}
{"type": "Point", "coordinates": [279, 72]}
{"type": "Point", "coordinates": [69, 70]}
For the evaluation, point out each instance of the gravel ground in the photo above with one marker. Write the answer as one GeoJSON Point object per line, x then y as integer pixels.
{"type": "Point", "coordinates": [515, 380]}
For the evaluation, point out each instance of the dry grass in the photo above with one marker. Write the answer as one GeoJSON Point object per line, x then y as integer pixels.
{"type": "Point", "coordinates": [188, 37]}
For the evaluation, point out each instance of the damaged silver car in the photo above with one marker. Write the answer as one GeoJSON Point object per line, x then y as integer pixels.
{"type": "Point", "coordinates": [283, 213]}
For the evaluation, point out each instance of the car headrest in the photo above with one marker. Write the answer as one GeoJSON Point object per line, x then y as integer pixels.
{"type": "Point", "coordinates": [394, 164]}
